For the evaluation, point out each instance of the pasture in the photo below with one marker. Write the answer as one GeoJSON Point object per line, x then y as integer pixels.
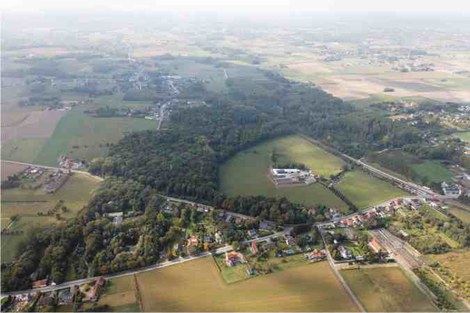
{"type": "Point", "coordinates": [83, 137]}
{"type": "Point", "coordinates": [247, 172]}
{"type": "Point", "coordinates": [387, 289]}
{"type": "Point", "coordinates": [27, 203]}
{"type": "Point", "coordinates": [197, 286]}
{"type": "Point", "coordinates": [365, 190]}
{"type": "Point", "coordinates": [433, 171]}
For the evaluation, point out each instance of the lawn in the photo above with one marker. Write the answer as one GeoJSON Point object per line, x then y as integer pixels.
{"type": "Point", "coordinates": [197, 286]}
{"type": "Point", "coordinates": [75, 193]}
{"type": "Point", "coordinates": [247, 172]}
{"type": "Point", "coordinates": [84, 137]}
{"type": "Point", "coordinates": [120, 295]}
{"type": "Point", "coordinates": [387, 289]}
{"type": "Point", "coordinates": [365, 190]}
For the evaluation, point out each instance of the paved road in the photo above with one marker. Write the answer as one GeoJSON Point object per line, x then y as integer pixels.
{"type": "Point", "coordinates": [340, 277]}
{"type": "Point", "coordinates": [110, 276]}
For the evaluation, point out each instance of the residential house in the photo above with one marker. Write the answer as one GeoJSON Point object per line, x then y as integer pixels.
{"type": "Point", "coordinates": [232, 258]}
{"type": "Point", "coordinates": [254, 247]}
{"type": "Point", "coordinates": [345, 254]}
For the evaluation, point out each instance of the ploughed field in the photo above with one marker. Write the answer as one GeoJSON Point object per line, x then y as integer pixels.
{"type": "Point", "coordinates": [387, 289]}
{"type": "Point", "coordinates": [247, 172]}
{"type": "Point", "coordinates": [198, 286]}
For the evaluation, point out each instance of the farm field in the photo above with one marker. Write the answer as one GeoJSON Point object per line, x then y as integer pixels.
{"type": "Point", "coordinates": [365, 190]}
{"type": "Point", "coordinates": [9, 169]}
{"type": "Point", "coordinates": [387, 289]}
{"type": "Point", "coordinates": [456, 261]}
{"type": "Point", "coordinates": [460, 210]}
{"type": "Point", "coordinates": [27, 203]}
{"type": "Point", "coordinates": [85, 137]}
{"type": "Point", "coordinates": [247, 172]}
{"type": "Point", "coordinates": [197, 286]}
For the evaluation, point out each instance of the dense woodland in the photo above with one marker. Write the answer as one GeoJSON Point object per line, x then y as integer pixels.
{"type": "Point", "coordinates": [183, 161]}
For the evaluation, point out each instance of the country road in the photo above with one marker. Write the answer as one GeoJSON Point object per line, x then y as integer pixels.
{"type": "Point", "coordinates": [55, 168]}
{"type": "Point", "coordinates": [110, 276]}
{"type": "Point", "coordinates": [338, 275]}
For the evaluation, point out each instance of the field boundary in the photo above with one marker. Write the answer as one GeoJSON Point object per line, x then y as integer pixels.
{"type": "Point", "coordinates": [138, 295]}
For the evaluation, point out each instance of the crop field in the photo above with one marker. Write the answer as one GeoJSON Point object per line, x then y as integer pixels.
{"type": "Point", "coordinates": [9, 169]}
{"type": "Point", "coordinates": [247, 172]}
{"type": "Point", "coordinates": [365, 190]}
{"type": "Point", "coordinates": [387, 289]}
{"type": "Point", "coordinates": [85, 137]}
{"type": "Point", "coordinates": [27, 203]}
{"type": "Point", "coordinates": [460, 211]}
{"type": "Point", "coordinates": [197, 286]}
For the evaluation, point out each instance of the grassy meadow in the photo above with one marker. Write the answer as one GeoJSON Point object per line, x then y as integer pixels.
{"type": "Point", "coordinates": [247, 172]}
{"type": "Point", "coordinates": [365, 190]}
{"type": "Point", "coordinates": [464, 136]}
{"type": "Point", "coordinates": [387, 289]}
{"type": "Point", "coordinates": [27, 203]}
{"type": "Point", "coordinates": [198, 286]}
{"type": "Point", "coordinates": [85, 137]}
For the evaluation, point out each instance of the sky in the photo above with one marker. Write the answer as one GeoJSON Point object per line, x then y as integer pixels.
{"type": "Point", "coordinates": [434, 6]}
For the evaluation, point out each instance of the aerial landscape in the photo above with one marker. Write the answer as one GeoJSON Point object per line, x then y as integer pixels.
{"type": "Point", "coordinates": [258, 156]}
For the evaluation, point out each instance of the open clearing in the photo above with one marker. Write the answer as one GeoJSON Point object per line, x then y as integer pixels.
{"type": "Point", "coordinates": [365, 190]}
{"type": "Point", "coordinates": [387, 289]}
{"type": "Point", "coordinates": [198, 286]}
{"type": "Point", "coordinates": [26, 203]}
{"type": "Point", "coordinates": [433, 171]}
{"type": "Point", "coordinates": [247, 172]}
{"type": "Point", "coordinates": [83, 137]}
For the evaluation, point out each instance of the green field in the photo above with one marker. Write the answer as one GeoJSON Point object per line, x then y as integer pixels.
{"type": "Point", "coordinates": [387, 289]}
{"type": "Point", "coordinates": [461, 211]}
{"type": "Point", "coordinates": [23, 150]}
{"type": "Point", "coordinates": [433, 171]}
{"type": "Point", "coordinates": [84, 137]}
{"type": "Point", "coordinates": [465, 136]}
{"type": "Point", "coordinates": [75, 193]}
{"type": "Point", "coordinates": [365, 190]}
{"type": "Point", "coordinates": [247, 172]}
{"type": "Point", "coordinates": [198, 286]}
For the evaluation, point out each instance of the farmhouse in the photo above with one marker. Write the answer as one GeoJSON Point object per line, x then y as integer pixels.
{"type": "Point", "coordinates": [291, 176]}
{"type": "Point", "coordinates": [345, 254]}
{"type": "Point", "coordinates": [315, 255]}
{"type": "Point", "coordinates": [233, 257]}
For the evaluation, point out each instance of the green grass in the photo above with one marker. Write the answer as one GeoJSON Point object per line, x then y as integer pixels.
{"type": "Point", "coordinates": [387, 289]}
{"type": "Point", "coordinates": [23, 149]}
{"type": "Point", "coordinates": [433, 171]}
{"type": "Point", "coordinates": [462, 212]}
{"type": "Point", "coordinates": [75, 193]}
{"type": "Point", "coordinates": [464, 136]}
{"type": "Point", "coordinates": [247, 172]}
{"type": "Point", "coordinates": [83, 137]}
{"type": "Point", "coordinates": [231, 274]}
{"type": "Point", "coordinates": [365, 190]}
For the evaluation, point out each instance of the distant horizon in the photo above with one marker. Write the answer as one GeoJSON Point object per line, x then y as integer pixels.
{"type": "Point", "coordinates": [244, 6]}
